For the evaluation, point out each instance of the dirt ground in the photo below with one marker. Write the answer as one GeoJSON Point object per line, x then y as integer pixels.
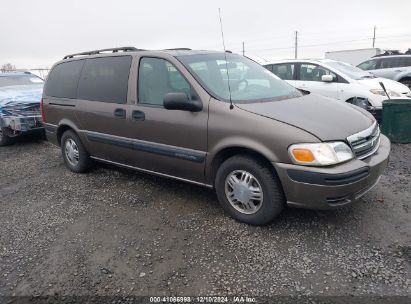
{"type": "Point", "coordinates": [119, 232]}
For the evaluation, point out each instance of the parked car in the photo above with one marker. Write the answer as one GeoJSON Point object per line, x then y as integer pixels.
{"type": "Point", "coordinates": [213, 119]}
{"type": "Point", "coordinates": [340, 81]}
{"type": "Point", "coordinates": [395, 67]}
{"type": "Point", "coordinates": [20, 95]}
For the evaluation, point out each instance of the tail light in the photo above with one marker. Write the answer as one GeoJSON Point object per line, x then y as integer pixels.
{"type": "Point", "coordinates": [43, 115]}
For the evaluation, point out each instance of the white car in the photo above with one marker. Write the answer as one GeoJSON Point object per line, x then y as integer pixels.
{"type": "Point", "coordinates": [339, 80]}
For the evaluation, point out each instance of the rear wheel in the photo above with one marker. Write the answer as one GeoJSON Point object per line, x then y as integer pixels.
{"type": "Point", "coordinates": [4, 139]}
{"type": "Point", "coordinates": [75, 155]}
{"type": "Point", "coordinates": [249, 190]}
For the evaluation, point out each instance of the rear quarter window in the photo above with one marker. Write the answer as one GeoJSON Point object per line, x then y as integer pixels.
{"type": "Point", "coordinates": [105, 79]}
{"type": "Point", "coordinates": [63, 79]}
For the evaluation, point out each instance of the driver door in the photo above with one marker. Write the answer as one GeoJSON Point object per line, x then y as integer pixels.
{"type": "Point", "coordinates": [170, 142]}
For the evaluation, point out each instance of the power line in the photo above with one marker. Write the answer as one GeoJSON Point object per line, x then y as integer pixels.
{"type": "Point", "coordinates": [330, 43]}
{"type": "Point", "coordinates": [318, 33]}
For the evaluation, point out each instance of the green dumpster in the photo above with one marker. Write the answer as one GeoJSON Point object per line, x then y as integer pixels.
{"type": "Point", "coordinates": [396, 120]}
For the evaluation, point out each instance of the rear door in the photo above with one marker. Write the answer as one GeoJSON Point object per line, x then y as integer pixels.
{"type": "Point", "coordinates": [309, 78]}
{"type": "Point", "coordinates": [171, 142]}
{"type": "Point", "coordinates": [102, 105]}
{"type": "Point", "coordinates": [389, 67]}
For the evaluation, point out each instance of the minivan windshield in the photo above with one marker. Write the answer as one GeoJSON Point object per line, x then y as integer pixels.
{"type": "Point", "coordinates": [224, 74]}
{"type": "Point", "coordinates": [350, 70]}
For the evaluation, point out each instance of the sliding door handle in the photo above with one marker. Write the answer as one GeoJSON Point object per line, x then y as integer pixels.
{"type": "Point", "coordinates": [138, 115]}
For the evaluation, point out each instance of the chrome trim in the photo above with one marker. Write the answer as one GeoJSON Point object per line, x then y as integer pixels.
{"type": "Point", "coordinates": [374, 142]}
{"type": "Point", "coordinates": [151, 172]}
{"type": "Point", "coordinates": [363, 134]}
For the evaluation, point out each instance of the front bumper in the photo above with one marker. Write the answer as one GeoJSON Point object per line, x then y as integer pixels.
{"type": "Point", "coordinates": [17, 125]}
{"type": "Point", "coordinates": [332, 187]}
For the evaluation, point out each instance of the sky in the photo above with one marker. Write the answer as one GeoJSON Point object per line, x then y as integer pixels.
{"type": "Point", "coordinates": [36, 34]}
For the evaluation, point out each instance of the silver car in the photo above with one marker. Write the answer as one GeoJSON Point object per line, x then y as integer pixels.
{"type": "Point", "coordinates": [395, 67]}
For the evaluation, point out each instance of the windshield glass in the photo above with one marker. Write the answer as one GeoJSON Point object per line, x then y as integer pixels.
{"type": "Point", "coordinates": [6, 81]}
{"type": "Point", "coordinates": [350, 70]}
{"type": "Point", "coordinates": [246, 80]}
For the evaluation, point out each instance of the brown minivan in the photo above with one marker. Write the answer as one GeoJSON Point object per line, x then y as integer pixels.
{"type": "Point", "coordinates": [213, 119]}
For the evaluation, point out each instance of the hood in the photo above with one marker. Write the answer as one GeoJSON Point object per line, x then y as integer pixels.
{"type": "Point", "coordinates": [374, 83]}
{"type": "Point", "coordinates": [325, 118]}
{"type": "Point", "coordinates": [21, 94]}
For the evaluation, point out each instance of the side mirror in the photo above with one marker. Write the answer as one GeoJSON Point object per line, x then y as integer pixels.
{"type": "Point", "coordinates": [327, 78]}
{"type": "Point", "coordinates": [180, 101]}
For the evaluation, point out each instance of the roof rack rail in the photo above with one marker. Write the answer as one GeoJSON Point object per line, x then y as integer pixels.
{"type": "Point", "coordinates": [113, 50]}
{"type": "Point", "coordinates": [178, 49]}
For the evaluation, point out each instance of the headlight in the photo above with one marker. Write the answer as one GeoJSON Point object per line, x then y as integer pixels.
{"type": "Point", "coordinates": [321, 154]}
{"type": "Point", "coordinates": [382, 93]}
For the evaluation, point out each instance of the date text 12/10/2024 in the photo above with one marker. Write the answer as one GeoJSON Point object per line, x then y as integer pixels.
{"type": "Point", "coordinates": [213, 299]}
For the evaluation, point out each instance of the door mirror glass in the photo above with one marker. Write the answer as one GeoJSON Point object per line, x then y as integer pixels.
{"type": "Point", "coordinates": [180, 101]}
{"type": "Point", "coordinates": [327, 78]}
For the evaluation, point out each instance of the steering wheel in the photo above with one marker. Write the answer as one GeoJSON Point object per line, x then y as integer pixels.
{"type": "Point", "coordinates": [242, 87]}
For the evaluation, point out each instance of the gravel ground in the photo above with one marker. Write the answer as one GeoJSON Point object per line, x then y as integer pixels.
{"type": "Point", "coordinates": [119, 232]}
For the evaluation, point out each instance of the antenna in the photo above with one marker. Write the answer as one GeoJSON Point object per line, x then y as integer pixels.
{"type": "Point", "coordinates": [225, 58]}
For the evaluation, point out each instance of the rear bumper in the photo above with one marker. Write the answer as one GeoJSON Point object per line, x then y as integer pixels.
{"type": "Point", "coordinates": [51, 133]}
{"type": "Point", "coordinates": [332, 187]}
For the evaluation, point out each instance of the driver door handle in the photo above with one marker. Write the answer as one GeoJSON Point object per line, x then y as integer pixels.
{"type": "Point", "coordinates": [138, 115]}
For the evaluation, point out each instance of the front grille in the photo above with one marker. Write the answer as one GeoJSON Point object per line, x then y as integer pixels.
{"type": "Point", "coordinates": [366, 142]}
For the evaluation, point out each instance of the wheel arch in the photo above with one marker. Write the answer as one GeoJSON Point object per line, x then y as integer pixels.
{"type": "Point", "coordinates": [225, 153]}
{"type": "Point", "coordinates": [64, 126]}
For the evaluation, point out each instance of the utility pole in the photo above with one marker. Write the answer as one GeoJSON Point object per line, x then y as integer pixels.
{"type": "Point", "coordinates": [243, 49]}
{"type": "Point", "coordinates": [296, 44]}
{"type": "Point", "coordinates": [373, 39]}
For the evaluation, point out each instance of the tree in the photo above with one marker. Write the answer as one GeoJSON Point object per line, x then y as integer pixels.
{"type": "Point", "coordinates": [8, 67]}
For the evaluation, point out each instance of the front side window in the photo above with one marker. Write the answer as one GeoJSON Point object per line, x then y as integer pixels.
{"type": "Point", "coordinates": [368, 65]}
{"type": "Point", "coordinates": [391, 62]}
{"type": "Point", "coordinates": [63, 79]}
{"type": "Point", "coordinates": [156, 78]}
{"type": "Point", "coordinates": [313, 72]}
{"type": "Point", "coordinates": [226, 76]}
{"type": "Point", "coordinates": [284, 70]}
{"type": "Point", "coordinates": [105, 79]}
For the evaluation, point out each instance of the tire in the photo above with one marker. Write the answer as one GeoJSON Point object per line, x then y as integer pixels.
{"type": "Point", "coordinates": [266, 207]}
{"type": "Point", "coordinates": [406, 82]}
{"type": "Point", "coordinates": [74, 154]}
{"type": "Point", "coordinates": [4, 139]}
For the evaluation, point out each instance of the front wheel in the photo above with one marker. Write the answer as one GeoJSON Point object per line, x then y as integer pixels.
{"type": "Point", "coordinates": [4, 139]}
{"type": "Point", "coordinates": [249, 190]}
{"type": "Point", "coordinates": [75, 155]}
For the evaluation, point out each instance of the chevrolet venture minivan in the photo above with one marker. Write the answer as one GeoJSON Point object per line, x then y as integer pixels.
{"type": "Point", "coordinates": [214, 119]}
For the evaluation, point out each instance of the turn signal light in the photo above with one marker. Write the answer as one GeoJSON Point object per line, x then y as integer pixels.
{"type": "Point", "coordinates": [303, 155]}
